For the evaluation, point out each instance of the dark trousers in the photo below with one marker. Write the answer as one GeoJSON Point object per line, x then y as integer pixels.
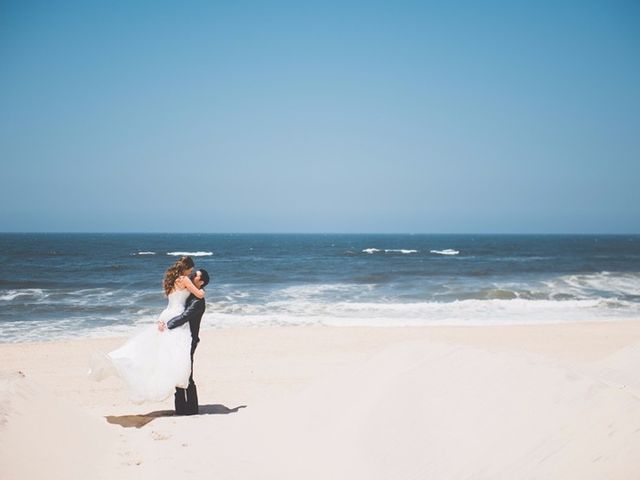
{"type": "Point", "coordinates": [186, 399]}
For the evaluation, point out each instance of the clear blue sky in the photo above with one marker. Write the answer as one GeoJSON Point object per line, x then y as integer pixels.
{"type": "Point", "coordinates": [320, 116]}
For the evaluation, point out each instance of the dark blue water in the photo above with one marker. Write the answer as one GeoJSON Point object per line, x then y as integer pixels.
{"type": "Point", "coordinates": [60, 285]}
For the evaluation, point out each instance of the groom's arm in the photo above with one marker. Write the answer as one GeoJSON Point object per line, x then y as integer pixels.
{"type": "Point", "coordinates": [193, 310]}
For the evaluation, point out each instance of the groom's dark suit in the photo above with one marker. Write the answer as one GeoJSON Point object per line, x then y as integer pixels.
{"type": "Point", "coordinates": [187, 399]}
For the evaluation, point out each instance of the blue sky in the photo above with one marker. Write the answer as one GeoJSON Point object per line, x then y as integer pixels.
{"type": "Point", "coordinates": [434, 117]}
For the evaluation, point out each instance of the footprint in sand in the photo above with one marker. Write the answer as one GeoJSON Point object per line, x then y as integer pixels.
{"type": "Point", "coordinates": [159, 436]}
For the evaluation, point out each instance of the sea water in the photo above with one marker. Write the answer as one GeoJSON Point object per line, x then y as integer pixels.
{"type": "Point", "coordinates": [55, 286]}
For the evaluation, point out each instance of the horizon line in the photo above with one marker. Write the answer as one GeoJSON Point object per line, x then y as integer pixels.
{"type": "Point", "coordinates": [42, 232]}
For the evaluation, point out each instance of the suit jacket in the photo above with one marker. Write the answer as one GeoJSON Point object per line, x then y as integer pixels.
{"type": "Point", "coordinates": [193, 311]}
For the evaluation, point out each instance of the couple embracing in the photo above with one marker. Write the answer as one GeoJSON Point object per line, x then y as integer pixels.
{"type": "Point", "coordinates": [159, 360]}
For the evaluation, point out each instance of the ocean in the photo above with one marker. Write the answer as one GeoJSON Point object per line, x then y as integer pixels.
{"type": "Point", "coordinates": [56, 286]}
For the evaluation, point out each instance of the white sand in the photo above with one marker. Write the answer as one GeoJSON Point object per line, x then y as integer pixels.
{"type": "Point", "coordinates": [547, 402]}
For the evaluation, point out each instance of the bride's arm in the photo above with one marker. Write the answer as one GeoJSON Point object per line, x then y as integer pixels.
{"type": "Point", "coordinates": [188, 284]}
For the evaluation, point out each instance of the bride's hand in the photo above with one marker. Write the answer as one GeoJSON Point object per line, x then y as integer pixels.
{"type": "Point", "coordinates": [162, 326]}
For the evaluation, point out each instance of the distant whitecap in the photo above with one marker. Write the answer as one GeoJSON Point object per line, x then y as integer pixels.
{"type": "Point", "coordinates": [146, 253]}
{"type": "Point", "coordinates": [448, 251]}
{"type": "Point", "coordinates": [388, 250]}
{"type": "Point", "coordinates": [190, 254]}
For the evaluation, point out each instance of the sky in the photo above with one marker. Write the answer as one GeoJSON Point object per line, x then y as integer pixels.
{"type": "Point", "coordinates": [239, 116]}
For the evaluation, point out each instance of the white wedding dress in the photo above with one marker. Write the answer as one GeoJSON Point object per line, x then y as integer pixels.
{"type": "Point", "coordinates": [152, 363]}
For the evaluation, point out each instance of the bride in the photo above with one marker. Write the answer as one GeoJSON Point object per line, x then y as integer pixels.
{"type": "Point", "coordinates": [154, 362]}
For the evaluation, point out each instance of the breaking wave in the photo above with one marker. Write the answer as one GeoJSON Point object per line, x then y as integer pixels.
{"type": "Point", "coordinates": [462, 312]}
{"type": "Point", "coordinates": [388, 250]}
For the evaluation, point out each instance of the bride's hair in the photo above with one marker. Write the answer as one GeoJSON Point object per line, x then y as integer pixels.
{"type": "Point", "coordinates": [174, 271]}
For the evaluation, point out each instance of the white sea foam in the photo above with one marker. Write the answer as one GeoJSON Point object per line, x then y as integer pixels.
{"type": "Point", "coordinates": [464, 312]}
{"type": "Point", "coordinates": [605, 296]}
{"type": "Point", "coordinates": [355, 304]}
{"type": "Point", "coordinates": [312, 290]}
{"type": "Point", "coordinates": [146, 253]}
{"type": "Point", "coordinates": [315, 311]}
{"type": "Point", "coordinates": [190, 254]}
{"type": "Point", "coordinates": [388, 250]}
{"type": "Point", "coordinates": [588, 285]}
{"type": "Point", "coordinates": [34, 293]}
{"type": "Point", "coordinates": [448, 251]}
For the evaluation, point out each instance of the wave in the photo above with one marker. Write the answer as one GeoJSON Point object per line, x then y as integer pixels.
{"type": "Point", "coordinates": [603, 285]}
{"type": "Point", "coordinates": [462, 312]}
{"type": "Point", "coordinates": [596, 284]}
{"type": "Point", "coordinates": [312, 311]}
{"type": "Point", "coordinates": [591, 297]}
{"type": "Point", "coordinates": [145, 253]}
{"type": "Point", "coordinates": [388, 250]}
{"type": "Point", "coordinates": [79, 301]}
{"type": "Point", "coordinates": [322, 289]}
{"type": "Point", "coordinates": [448, 251]}
{"type": "Point", "coordinates": [30, 293]}
{"type": "Point", "coordinates": [41, 314]}
{"type": "Point", "coordinates": [190, 254]}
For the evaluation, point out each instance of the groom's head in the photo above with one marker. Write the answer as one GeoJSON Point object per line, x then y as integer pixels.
{"type": "Point", "coordinates": [200, 278]}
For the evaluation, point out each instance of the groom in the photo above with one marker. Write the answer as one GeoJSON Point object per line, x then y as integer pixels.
{"type": "Point", "coordinates": [186, 400]}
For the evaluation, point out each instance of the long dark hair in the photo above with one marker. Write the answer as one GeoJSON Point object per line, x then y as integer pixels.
{"type": "Point", "coordinates": [174, 271]}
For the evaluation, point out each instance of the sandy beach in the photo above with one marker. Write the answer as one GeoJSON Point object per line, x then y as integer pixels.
{"type": "Point", "coordinates": [494, 402]}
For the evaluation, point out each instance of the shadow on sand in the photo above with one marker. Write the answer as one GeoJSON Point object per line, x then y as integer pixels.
{"type": "Point", "coordinates": [140, 420]}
